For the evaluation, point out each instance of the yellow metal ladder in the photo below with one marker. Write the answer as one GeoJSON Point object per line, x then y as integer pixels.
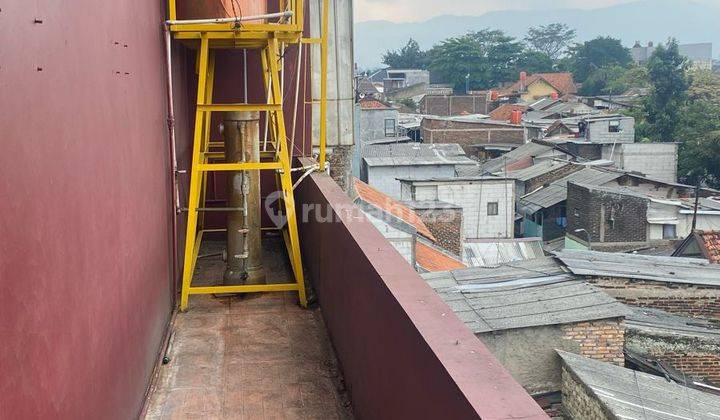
{"type": "Point", "coordinates": [266, 38]}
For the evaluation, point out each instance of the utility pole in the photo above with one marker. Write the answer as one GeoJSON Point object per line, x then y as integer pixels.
{"type": "Point", "coordinates": [697, 198]}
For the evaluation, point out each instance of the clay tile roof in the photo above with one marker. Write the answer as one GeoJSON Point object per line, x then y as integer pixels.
{"type": "Point", "coordinates": [503, 112]}
{"type": "Point", "coordinates": [711, 241]}
{"type": "Point", "coordinates": [373, 104]}
{"type": "Point", "coordinates": [432, 259]}
{"type": "Point", "coordinates": [384, 202]}
{"type": "Point", "coordinates": [563, 82]}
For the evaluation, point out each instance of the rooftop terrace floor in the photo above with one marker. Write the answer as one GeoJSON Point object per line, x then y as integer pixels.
{"type": "Point", "coordinates": [255, 356]}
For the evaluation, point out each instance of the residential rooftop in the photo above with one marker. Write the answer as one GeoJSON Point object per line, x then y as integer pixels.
{"type": "Point", "coordinates": [627, 394]}
{"type": "Point", "coordinates": [642, 267]}
{"type": "Point", "coordinates": [556, 191]}
{"type": "Point", "coordinates": [495, 252]}
{"type": "Point", "coordinates": [509, 305]}
{"type": "Point", "coordinates": [658, 322]}
{"type": "Point", "coordinates": [412, 150]}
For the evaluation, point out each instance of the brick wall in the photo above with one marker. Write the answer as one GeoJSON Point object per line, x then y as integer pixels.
{"type": "Point", "coordinates": [695, 356]}
{"type": "Point", "coordinates": [684, 299]}
{"type": "Point", "coordinates": [446, 225]}
{"type": "Point", "coordinates": [601, 340]}
{"type": "Point", "coordinates": [467, 134]}
{"type": "Point", "coordinates": [340, 161]}
{"type": "Point", "coordinates": [454, 105]}
{"type": "Point", "coordinates": [607, 217]}
{"type": "Point", "coordinates": [577, 401]}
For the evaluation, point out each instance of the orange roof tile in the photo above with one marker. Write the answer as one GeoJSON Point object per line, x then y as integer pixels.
{"type": "Point", "coordinates": [711, 242]}
{"type": "Point", "coordinates": [373, 104]}
{"type": "Point", "coordinates": [384, 202]}
{"type": "Point", "coordinates": [432, 259]}
{"type": "Point", "coordinates": [504, 111]}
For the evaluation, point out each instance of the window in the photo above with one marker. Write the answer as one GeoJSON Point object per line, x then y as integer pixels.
{"type": "Point", "coordinates": [390, 127]}
{"type": "Point", "coordinates": [669, 232]}
{"type": "Point", "coordinates": [492, 209]}
{"type": "Point", "coordinates": [614, 127]}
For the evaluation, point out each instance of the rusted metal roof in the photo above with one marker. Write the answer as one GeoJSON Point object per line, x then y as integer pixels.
{"type": "Point", "coordinates": [432, 259]}
{"type": "Point", "coordinates": [384, 202]}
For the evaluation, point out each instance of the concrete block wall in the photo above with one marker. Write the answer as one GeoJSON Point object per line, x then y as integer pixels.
{"type": "Point", "coordinates": [385, 178]}
{"type": "Point", "coordinates": [684, 299]}
{"type": "Point", "coordinates": [601, 340]}
{"type": "Point", "coordinates": [694, 356]}
{"type": "Point", "coordinates": [473, 197]}
{"type": "Point", "coordinates": [598, 131]}
{"type": "Point", "coordinates": [607, 217]}
{"type": "Point", "coordinates": [446, 225]}
{"type": "Point", "coordinates": [372, 123]}
{"type": "Point", "coordinates": [654, 160]}
{"type": "Point", "coordinates": [551, 176]}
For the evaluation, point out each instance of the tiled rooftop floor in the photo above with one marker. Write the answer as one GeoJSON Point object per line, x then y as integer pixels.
{"type": "Point", "coordinates": [251, 357]}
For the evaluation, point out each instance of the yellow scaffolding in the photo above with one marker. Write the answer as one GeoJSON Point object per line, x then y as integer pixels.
{"type": "Point", "coordinates": [208, 37]}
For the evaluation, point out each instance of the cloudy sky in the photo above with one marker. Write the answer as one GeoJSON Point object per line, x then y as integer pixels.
{"type": "Point", "coordinates": [418, 10]}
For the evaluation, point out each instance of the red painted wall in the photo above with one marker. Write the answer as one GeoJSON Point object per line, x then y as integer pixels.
{"type": "Point", "coordinates": [85, 264]}
{"type": "Point", "coordinates": [403, 352]}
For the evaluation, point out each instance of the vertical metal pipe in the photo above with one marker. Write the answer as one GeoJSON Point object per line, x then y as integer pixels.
{"type": "Point", "coordinates": [241, 132]}
{"type": "Point", "coordinates": [173, 151]}
{"type": "Point", "coordinates": [325, 22]}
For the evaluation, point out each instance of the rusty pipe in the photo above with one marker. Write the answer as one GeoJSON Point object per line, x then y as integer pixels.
{"type": "Point", "coordinates": [241, 133]}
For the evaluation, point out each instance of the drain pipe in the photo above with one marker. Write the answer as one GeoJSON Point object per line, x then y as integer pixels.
{"type": "Point", "coordinates": [173, 155]}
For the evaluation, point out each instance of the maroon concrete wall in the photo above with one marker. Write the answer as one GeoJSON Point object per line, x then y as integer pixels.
{"type": "Point", "coordinates": [85, 263]}
{"type": "Point", "coordinates": [403, 352]}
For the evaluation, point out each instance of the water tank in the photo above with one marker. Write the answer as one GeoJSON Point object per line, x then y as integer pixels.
{"type": "Point", "coordinates": [554, 96]}
{"type": "Point", "coordinates": [210, 9]}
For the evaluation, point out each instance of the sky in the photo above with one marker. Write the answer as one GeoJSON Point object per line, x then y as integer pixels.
{"type": "Point", "coordinates": [419, 10]}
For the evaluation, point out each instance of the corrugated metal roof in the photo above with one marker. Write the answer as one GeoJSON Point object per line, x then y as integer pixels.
{"type": "Point", "coordinates": [538, 169]}
{"type": "Point", "coordinates": [495, 253]}
{"type": "Point", "coordinates": [418, 161]}
{"type": "Point", "coordinates": [644, 267]}
{"type": "Point", "coordinates": [556, 192]}
{"type": "Point", "coordinates": [629, 394]}
{"type": "Point", "coordinates": [655, 321]}
{"type": "Point", "coordinates": [526, 270]}
{"type": "Point", "coordinates": [546, 301]}
{"type": "Point", "coordinates": [526, 150]}
{"type": "Point", "coordinates": [412, 150]}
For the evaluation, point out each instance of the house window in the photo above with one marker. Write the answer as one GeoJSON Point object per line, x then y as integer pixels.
{"type": "Point", "coordinates": [614, 127]}
{"type": "Point", "coordinates": [492, 208]}
{"type": "Point", "coordinates": [390, 127]}
{"type": "Point", "coordinates": [669, 232]}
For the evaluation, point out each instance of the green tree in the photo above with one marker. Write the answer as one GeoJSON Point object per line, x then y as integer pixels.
{"type": "Point", "coordinates": [408, 57]}
{"type": "Point", "coordinates": [503, 54]}
{"type": "Point", "coordinates": [614, 80]}
{"type": "Point", "coordinates": [457, 58]}
{"type": "Point", "coordinates": [669, 81]}
{"type": "Point", "coordinates": [489, 57]}
{"type": "Point", "coordinates": [551, 40]}
{"type": "Point", "coordinates": [699, 131]}
{"type": "Point", "coordinates": [595, 54]}
{"type": "Point", "coordinates": [535, 62]}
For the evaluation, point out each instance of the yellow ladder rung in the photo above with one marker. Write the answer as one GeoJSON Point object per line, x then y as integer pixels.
{"type": "Point", "coordinates": [249, 166]}
{"type": "Point", "coordinates": [238, 107]}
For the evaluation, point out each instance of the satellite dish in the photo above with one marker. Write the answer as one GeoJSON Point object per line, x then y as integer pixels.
{"type": "Point", "coordinates": [362, 95]}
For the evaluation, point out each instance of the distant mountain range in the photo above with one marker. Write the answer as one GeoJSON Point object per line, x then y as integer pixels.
{"type": "Point", "coordinates": [645, 20]}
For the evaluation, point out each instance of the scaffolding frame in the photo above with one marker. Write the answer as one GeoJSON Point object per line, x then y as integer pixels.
{"type": "Point", "coordinates": [266, 38]}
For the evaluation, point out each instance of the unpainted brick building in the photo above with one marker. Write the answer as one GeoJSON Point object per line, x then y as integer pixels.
{"type": "Point", "coordinates": [468, 131]}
